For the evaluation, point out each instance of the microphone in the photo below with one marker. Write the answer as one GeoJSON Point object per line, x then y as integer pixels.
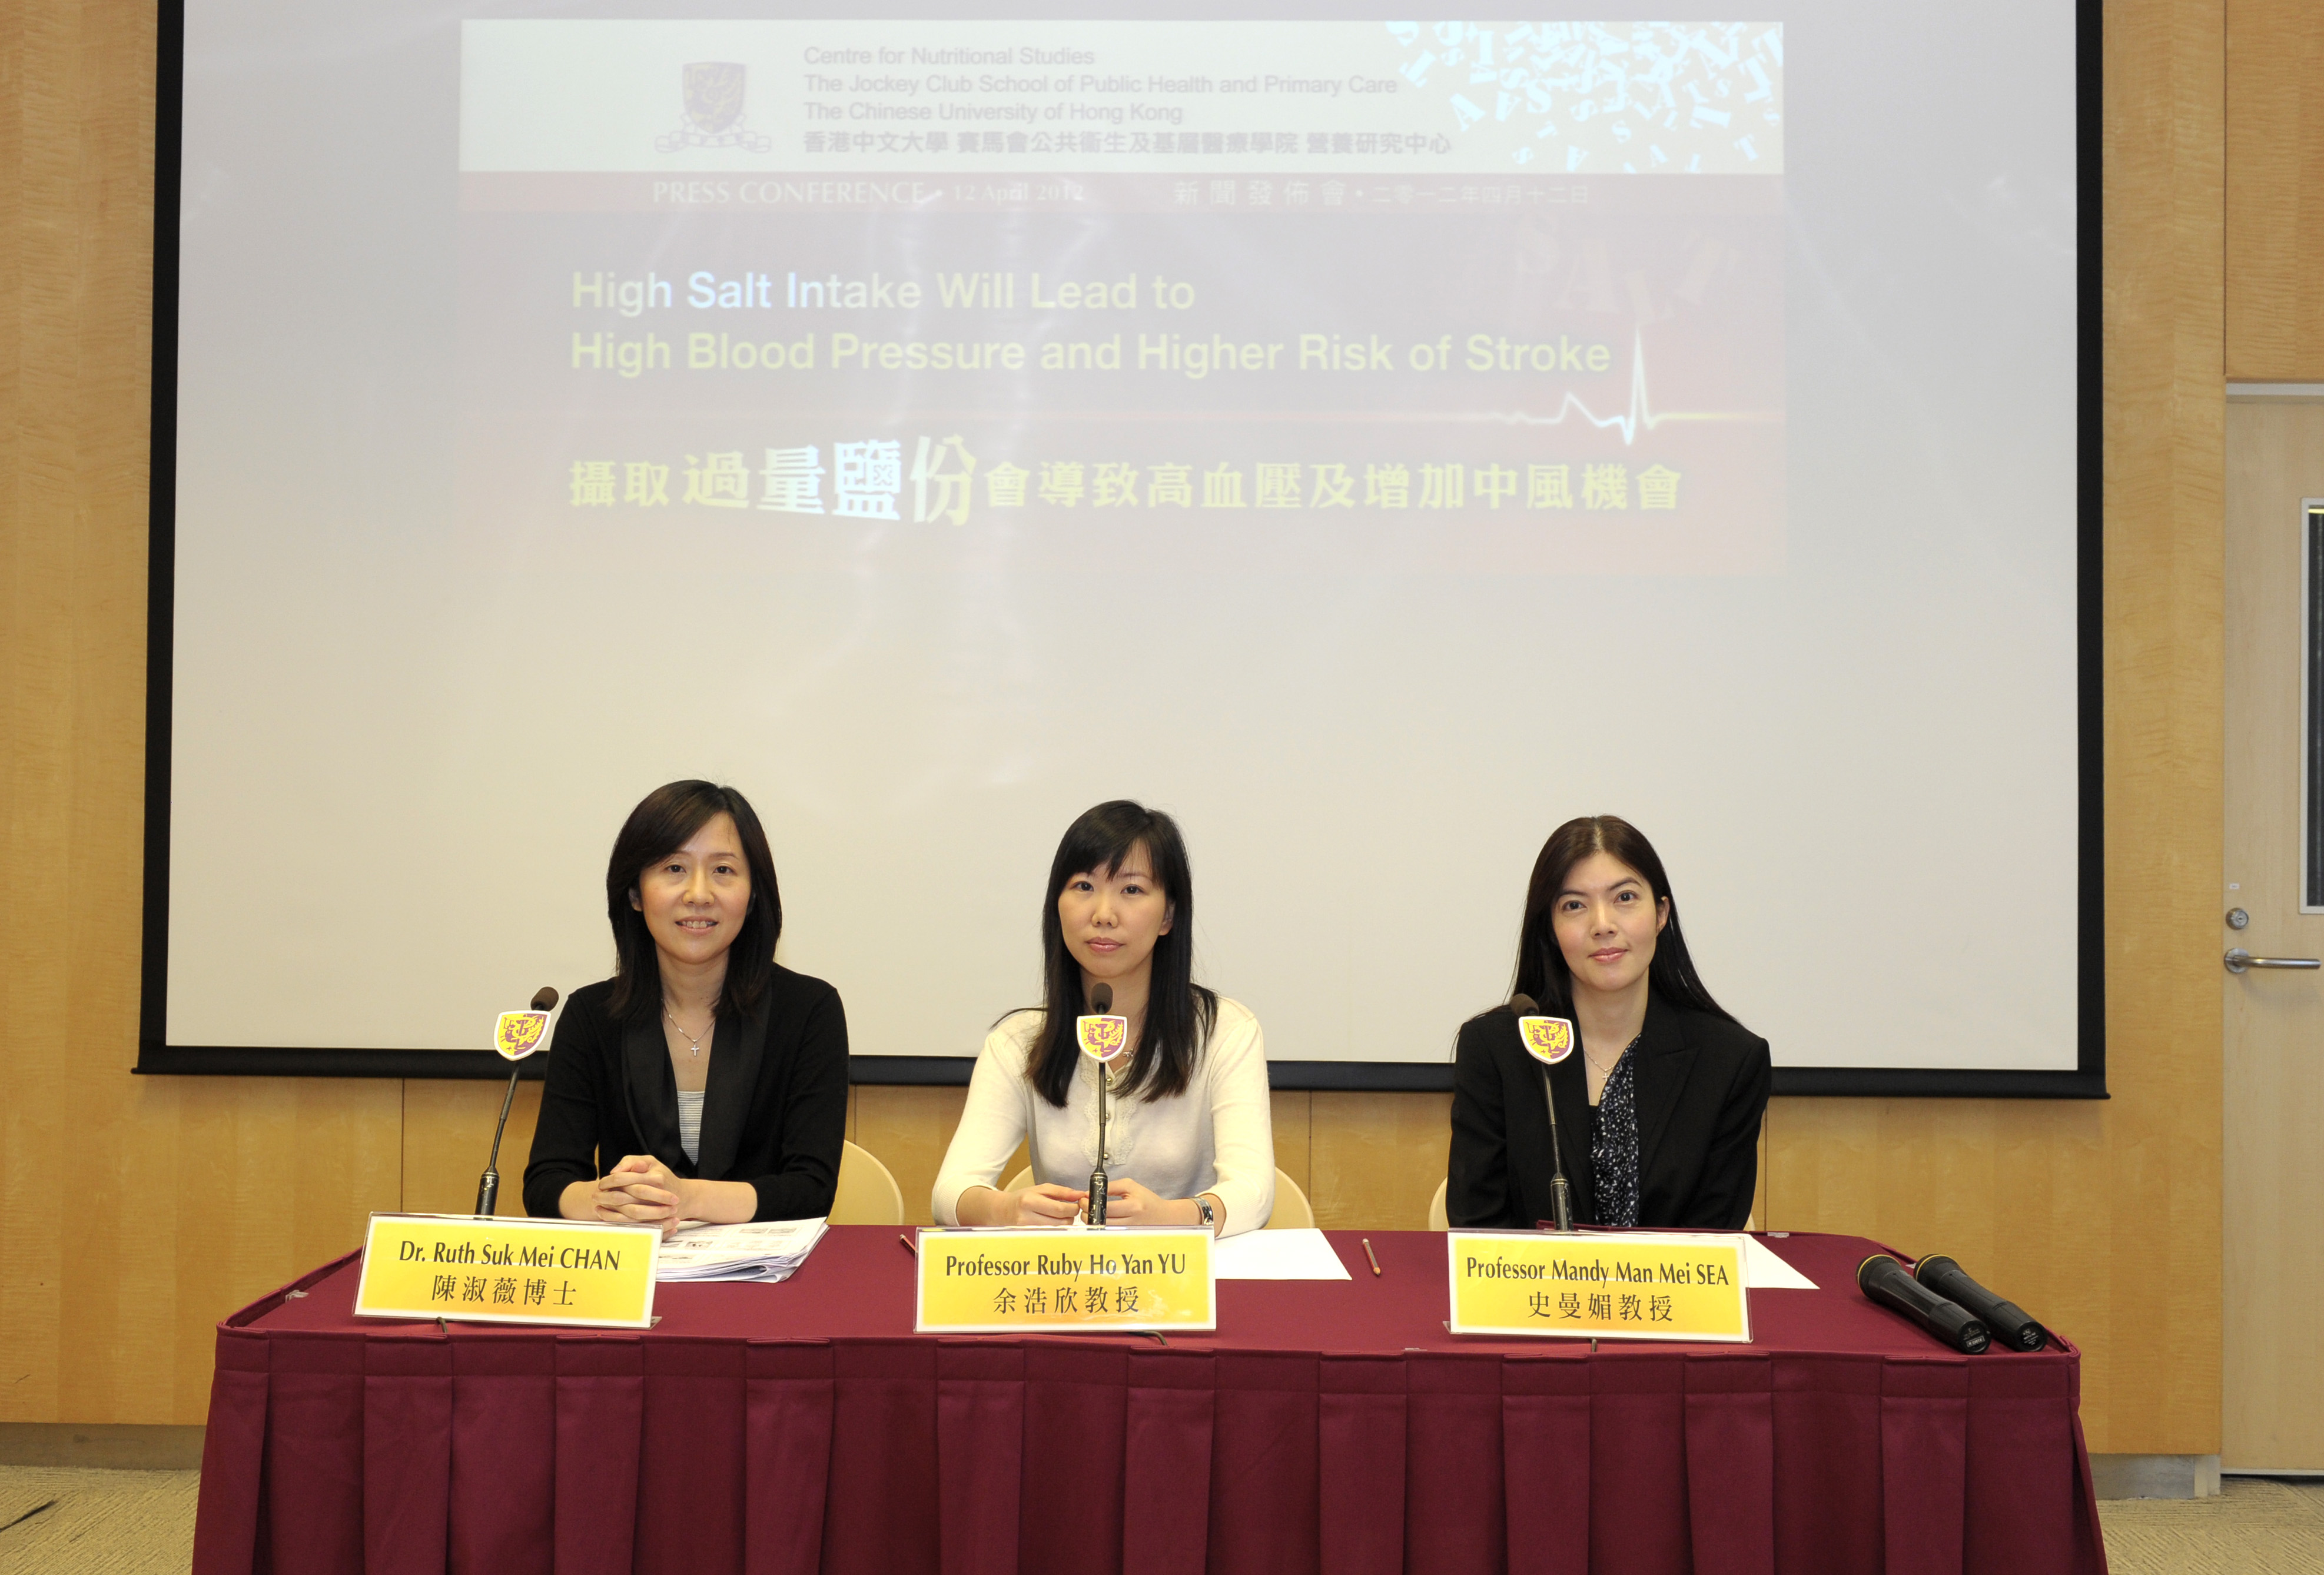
{"type": "Point", "coordinates": [1883, 1279]}
{"type": "Point", "coordinates": [1101, 1007]}
{"type": "Point", "coordinates": [1560, 1195]}
{"type": "Point", "coordinates": [2011, 1327]}
{"type": "Point", "coordinates": [515, 1036]}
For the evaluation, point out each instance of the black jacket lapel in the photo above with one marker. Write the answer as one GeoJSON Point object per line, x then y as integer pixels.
{"type": "Point", "coordinates": [652, 1093]}
{"type": "Point", "coordinates": [736, 1051]}
{"type": "Point", "coordinates": [1663, 1063]}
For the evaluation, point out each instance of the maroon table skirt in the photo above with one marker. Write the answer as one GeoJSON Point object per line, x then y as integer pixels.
{"type": "Point", "coordinates": [1326, 1426]}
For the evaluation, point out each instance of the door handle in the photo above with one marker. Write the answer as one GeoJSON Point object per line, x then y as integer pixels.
{"type": "Point", "coordinates": [2238, 961]}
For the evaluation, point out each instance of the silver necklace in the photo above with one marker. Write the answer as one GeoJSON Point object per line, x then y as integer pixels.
{"type": "Point", "coordinates": [1607, 1070]}
{"type": "Point", "coordinates": [692, 1039]}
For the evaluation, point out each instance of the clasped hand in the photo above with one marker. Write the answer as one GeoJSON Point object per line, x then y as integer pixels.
{"type": "Point", "coordinates": [641, 1191]}
{"type": "Point", "coordinates": [1126, 1203]}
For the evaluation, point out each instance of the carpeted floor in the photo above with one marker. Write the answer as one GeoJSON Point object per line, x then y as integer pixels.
{"type": "Point", "coordinates": [61, 1521]}
{"type": "Point", "coordinates": [129, 1523]}
{"type": "Point", "coordinates": [2254, 1528]}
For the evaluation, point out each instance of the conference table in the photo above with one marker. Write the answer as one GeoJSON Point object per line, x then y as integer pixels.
{"type": "Point", "coordinates": [1328, 1427]}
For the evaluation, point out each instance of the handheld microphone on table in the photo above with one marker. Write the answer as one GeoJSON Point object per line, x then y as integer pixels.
{"type": "Point", "coordinates": [2011, 1327]}
{"type": "Point", "coordinates": [1102, 1037]}
{"type": "Point", "coordinates": [1549, 1040]}
{"type": "Point", "coordinates": [515, 1036]}
{"type": "Point", "coordinates": [1883, 1279]}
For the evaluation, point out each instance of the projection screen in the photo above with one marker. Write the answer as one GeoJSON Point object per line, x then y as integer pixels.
{"type": "Point", "coordinates": [1373, 441]}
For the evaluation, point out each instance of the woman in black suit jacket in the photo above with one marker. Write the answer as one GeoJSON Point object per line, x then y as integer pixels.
{"type": "Point", "coordinates": [1658, 1106]}
{"type": "Point", "coordinates": [648, 1117]}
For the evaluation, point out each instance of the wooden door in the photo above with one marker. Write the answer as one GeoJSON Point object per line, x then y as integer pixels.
{"type": "Point", "coordinates": [2272, 1162]}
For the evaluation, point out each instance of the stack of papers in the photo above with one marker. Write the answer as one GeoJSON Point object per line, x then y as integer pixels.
{"type": "Point", "coordinates": [765, 1252]}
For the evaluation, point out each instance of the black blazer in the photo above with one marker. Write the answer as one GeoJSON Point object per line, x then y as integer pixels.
{"type": "Point", "coordinates": [1701, 1089]}
{"type": "Point", "coordinates": [774, 1112]}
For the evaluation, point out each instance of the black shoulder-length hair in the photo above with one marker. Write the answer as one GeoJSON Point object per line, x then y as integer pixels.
{"type": "Point", "coordinates": [1542, 972]}
{"type": "Point", "coordinates": [1179, 1013]}
{"type": "Point", "coordinates": [665, 821]}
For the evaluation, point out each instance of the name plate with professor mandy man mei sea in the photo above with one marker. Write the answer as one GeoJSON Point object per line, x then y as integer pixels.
{"type": "Point", "coordinates": [1627, 1286]}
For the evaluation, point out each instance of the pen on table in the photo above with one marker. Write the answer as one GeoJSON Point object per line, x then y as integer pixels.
{"type": "Point", "coordinates": [1367, 1253]}
{"type": "Point", "coordinates": [906, 1243]}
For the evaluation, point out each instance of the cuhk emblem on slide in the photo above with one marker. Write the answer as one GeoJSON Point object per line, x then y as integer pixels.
{"type": "Point", "coordinates": [712, 97]}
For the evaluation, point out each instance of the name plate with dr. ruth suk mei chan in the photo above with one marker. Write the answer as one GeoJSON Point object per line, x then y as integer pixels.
{"type": "Point", "coordinates": [1055, 1281]}
{"type": "Point", "coordinates": [1631, 1284]}
{"type": "Point", "coordinates": [504, 1270]}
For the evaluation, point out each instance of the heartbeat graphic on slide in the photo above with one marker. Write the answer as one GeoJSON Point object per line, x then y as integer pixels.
{"type": "Point", "coordinates": [1641, 415]}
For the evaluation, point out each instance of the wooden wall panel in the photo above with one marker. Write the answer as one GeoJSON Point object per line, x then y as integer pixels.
{"type": "Point", "coordinates": [2010, 1188]}
{"type": "Point", "coordinates": [71, 523]}
{"type": "Point", "coordinates": [447, 1136]}
{"type": "Point", "coordinates": [908, 1129]}
{"type": "Point", "coordinates": [2274, 190]}
{"type": "Point", "coordinates": [1376, 1158]}
{"type": "Point", "coordinates": [271, 1177]}
{"type": "Point", "coordinates": [1290, 1114]}
{"type": "Point", "coordinates": [2153, 1385]}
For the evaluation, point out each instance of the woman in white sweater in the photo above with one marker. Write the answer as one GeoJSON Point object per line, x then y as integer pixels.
{"type": "Point", "coordinates": [1190, 1139]}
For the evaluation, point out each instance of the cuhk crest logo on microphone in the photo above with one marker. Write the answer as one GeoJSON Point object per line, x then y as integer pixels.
{"type": "Point", "coordinates": [1101, 1038]}
{"type": "Point", "coordinates": [1548, 1040]}
{"type": "Point", "coordinates": [518, 1035]}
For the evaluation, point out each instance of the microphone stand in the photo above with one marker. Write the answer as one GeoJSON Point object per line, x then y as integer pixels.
{"type": "Point", "coordinates": [488, 1187]}
{"type": "Point", "coordinates": [1097, 1182]}
{"type": "Point", "coordinates": [1560, 1195]}
{"type": "Point", "coordinates": [1102, 1004]}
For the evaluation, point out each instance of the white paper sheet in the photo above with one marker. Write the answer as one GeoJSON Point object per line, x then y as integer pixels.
{"type": "Point", "coordinates": [1765, 1271]}
{"type": "Point", "coordinates": [1276, 1255]}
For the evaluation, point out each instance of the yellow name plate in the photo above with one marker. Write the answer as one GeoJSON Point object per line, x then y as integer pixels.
{"type": "Point", "coordinates": [1635, 1286]}
{"type": "Point", "coordinates": [1013, 1282]}
{"type": "Point", "coordinates": [508, 1271]}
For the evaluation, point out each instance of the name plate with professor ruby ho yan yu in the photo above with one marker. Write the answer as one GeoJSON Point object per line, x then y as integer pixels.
{"type": "Point", "coordinates": [1631, 1284]}
{"type": "Point", "coordinates": [499, 1270]}
{"type": "Point", "coordinates": [1055, 1281]}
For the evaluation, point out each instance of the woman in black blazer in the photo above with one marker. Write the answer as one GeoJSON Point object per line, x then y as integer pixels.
{"type": "Point", "coordinates": [1658, 1103]}
{"type": "Point", "coordinates": [703, 1080]}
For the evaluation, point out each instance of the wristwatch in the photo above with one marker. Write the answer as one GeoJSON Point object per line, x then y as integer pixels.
{"type": "Point", "coordinates": [1210, 1215]}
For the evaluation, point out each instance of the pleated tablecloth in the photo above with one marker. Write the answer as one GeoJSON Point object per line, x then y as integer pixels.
{"type": "Point", "coordinates": [1326, 1426]}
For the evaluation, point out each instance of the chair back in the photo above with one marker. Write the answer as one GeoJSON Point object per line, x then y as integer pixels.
{"type": "Point", "coordinates": [868, 1194]}
{"type": "Point", "coordinates": [1293, 1211]}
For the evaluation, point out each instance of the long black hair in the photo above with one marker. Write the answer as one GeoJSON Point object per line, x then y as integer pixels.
{"type": "Point", "coordinates": [1541, 970]}
{"type": "Point", "coordinates": [665, 821]}
{"type": "Point", "coordinates": [1179, 1013]}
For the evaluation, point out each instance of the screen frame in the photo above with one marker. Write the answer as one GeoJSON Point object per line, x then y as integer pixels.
{"type": "Point", "coordinates": [157, 1056]}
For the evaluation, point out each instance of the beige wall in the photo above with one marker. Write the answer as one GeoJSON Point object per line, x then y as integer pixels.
{"type": "Point", "coordinates": [135, 1212]}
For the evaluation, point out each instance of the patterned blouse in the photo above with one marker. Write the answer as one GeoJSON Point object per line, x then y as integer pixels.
{"type": "Point", "coordinates": [1614, 1144]}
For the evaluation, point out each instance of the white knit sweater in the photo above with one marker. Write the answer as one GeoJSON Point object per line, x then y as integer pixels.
{"type": "Point", "coordinates": [1218, 1137]}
